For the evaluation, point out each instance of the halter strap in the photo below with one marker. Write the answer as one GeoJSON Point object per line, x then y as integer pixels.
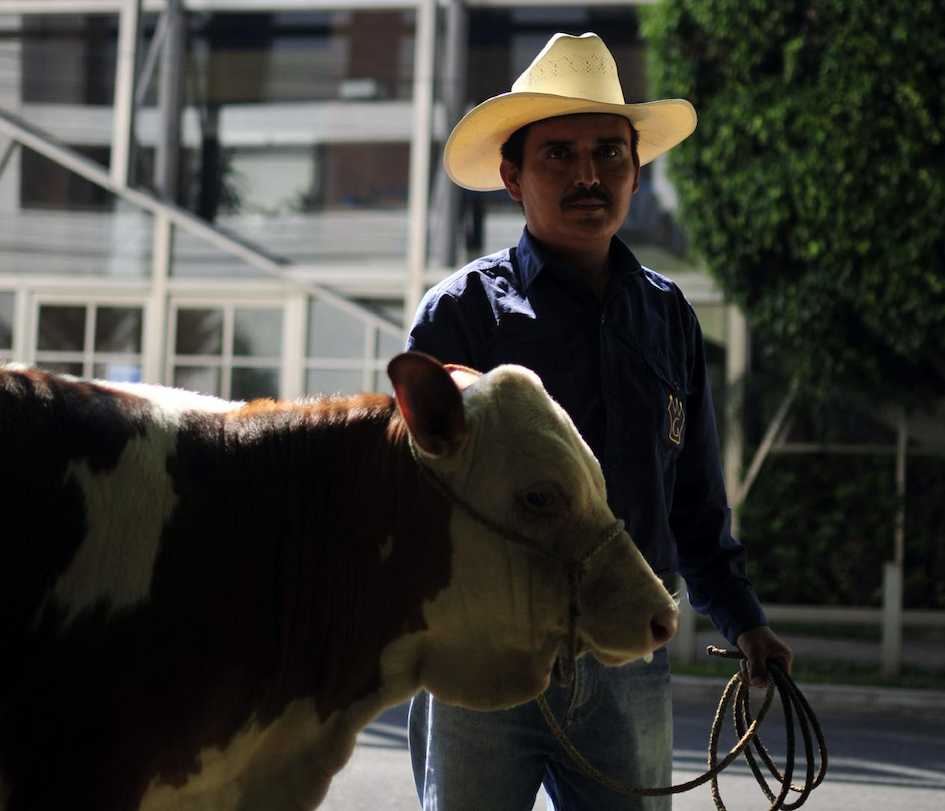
{"type": "Point", "coordinates": [575, 570]}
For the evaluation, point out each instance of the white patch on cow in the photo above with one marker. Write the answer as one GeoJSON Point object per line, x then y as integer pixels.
{"type": "Point", "coordinates": [173, 402]}
{"type": "Point", "coordinates": [217, 785]}
{"type": "Point", "coordinates": [387, 548]}
{"type": "Point", "coordinates": [495, 630]}
{"type": "Point", "coordinates": [127, 507]}
{"type": "Point", "coordinates": [289, 763]}
{"type": "Point", "coordinates": [285, 765]}
{"type": "Point", "coordinates": [126, 510]}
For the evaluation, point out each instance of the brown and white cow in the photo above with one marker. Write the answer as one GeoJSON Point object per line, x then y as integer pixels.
{"type": "Point", "coordinates": [201, 602]}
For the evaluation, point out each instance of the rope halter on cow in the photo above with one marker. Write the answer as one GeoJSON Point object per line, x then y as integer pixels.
{"type": "Point", "coordinates": [575, 570]}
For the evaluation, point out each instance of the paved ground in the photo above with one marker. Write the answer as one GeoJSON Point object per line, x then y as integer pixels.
{"type": "Point", "coordinates": [881, 761]}
{"type": "Point", "coordinates": [886, 746]}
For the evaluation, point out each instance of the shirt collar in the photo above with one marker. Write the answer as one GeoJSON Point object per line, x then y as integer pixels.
{"type": "Point", "coordinates": [532, 258]}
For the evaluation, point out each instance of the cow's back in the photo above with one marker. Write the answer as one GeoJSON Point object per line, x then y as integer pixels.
{"type": "Point", "coordinates": [178, 575]}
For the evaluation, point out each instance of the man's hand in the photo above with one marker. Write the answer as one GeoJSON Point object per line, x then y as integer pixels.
{"type": "Point", "coordinates": [761, 645]}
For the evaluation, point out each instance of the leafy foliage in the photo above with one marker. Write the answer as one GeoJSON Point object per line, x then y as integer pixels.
{"type": "Point", "coordinates": [814, 185]}
{"type": "Point", "coordinates": [820, 533]}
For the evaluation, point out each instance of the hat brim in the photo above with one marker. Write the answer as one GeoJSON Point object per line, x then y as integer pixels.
{"type": "Point", "coordinates": [472, 154]}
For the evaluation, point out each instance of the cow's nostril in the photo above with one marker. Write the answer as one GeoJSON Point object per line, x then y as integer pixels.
{"type": "Point", "coordinates": [663, 626]}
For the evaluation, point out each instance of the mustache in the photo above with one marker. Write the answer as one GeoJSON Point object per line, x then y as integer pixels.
{"type": "Point", "coordinates": [596, 194]}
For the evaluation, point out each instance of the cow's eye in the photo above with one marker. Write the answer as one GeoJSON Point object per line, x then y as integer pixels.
{"type": "Point", "coordinates": [539, 499]}
{"type": "Point", "coordinates": [544, 500]}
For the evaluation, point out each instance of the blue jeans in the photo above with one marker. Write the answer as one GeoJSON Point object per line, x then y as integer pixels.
{"type": "Point", "coordinates": [619, 718]}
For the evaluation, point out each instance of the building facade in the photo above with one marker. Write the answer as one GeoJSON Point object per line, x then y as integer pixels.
{"type": "Point", "coordinates": [244, 197]}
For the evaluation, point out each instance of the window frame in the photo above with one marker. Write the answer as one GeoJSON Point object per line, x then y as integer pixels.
{"type": "Point", "coordinates": [226, 361]}
{"type": "Point", "coordinates": [88, 357]}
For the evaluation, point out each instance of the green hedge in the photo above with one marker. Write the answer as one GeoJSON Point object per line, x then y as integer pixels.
{"type": "Point", "coordinates": [814, 190]}
{"type": "Point", "coordinates": [819, 530]}
{"type": "Point", "coordinates": [814, 185]}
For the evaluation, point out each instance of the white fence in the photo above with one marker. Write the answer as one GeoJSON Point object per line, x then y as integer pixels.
{"type": "Point", "coordinates": [890, 619]}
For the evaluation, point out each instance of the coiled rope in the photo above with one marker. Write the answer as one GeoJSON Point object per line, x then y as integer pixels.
{"type": "Point", "coordinates": [746, 727]}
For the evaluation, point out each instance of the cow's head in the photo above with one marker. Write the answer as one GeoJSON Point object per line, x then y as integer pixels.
{"type": "Point", "coordinates": [505, 449]}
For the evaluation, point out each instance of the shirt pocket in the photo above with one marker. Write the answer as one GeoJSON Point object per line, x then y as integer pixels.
{"type": "Point", "coordinates": [670, 401]}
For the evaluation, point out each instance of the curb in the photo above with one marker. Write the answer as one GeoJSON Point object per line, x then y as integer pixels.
{"type": "Point", "coordinates": [826, 697]}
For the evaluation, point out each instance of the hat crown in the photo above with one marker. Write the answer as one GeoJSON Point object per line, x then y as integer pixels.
{"type": "Point", "coordinates": [577, 67]}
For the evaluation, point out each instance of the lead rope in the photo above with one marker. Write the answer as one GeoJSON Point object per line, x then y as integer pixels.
{"type": "Point", "coordinates": [792, 701]}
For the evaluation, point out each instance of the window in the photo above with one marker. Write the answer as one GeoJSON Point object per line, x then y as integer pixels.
{"type": "Point", "coordinates": [232, 351]}
{"type": "Point", "coordinates": [45, 184]}
{"type": "Point", "coordinates": [365, 175]}
{"type": "Point", "coordinates": [69, 58]}
{"type": "Point", "coordinates": [345, 354]}
{"type": "Point", "coordinates": [291, 56]}
{"type": "Point", "coordinates": [101, 340]}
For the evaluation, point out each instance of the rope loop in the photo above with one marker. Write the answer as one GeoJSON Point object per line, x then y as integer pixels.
{"type": "Point", "coordinates": [736, 693]}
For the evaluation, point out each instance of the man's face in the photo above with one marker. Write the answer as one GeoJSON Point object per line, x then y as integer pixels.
{"type": "Point", "coordinates": [576, 179]}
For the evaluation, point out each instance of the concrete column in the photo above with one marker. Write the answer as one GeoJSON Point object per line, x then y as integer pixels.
{"type": "Point", "coordinates": [123, 110]}
{"type": "Point", "coordinates": [446, 211]}
{"type": "Point", "coordinates": [167, 157]}
{"type": "Point", "coordinates": [736, 366]}
{"type": "Point", "coordinates": [892, 619]}
{"type": "Point", "coordinates": [155, 336]}
{"type": "Point", "coordinates": [419, 192]}
{"type": "Point", "coordinates": [682, 647]}
{"type": "Point", "coordinates": [893, 573]}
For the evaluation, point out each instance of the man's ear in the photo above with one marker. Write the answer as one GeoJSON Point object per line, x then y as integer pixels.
{"type": "Point", "coordinates": [511, 175]}
{"type": "Point", "coordinates": [429, 401]}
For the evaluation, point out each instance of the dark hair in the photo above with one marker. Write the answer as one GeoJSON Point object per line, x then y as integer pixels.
{"type": "Point", "coordinates": [513, 150]}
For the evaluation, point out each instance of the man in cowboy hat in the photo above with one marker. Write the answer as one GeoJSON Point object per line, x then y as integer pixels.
{"type": "Point", "coordinates": [620, 348]}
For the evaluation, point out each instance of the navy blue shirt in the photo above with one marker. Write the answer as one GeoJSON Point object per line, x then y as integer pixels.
{"type": "Point", "coordinates": [630, 370]}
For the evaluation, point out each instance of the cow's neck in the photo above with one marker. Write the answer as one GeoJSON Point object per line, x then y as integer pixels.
{"type": "Point", "coordinates": [357, 543]}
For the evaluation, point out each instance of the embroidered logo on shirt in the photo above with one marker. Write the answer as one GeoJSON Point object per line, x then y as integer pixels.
{"type": "Point", "coordinates": [677, 419]}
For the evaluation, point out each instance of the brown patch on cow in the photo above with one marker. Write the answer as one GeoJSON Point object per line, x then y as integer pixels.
{"type": "Point", "coordinates": [269, 585]}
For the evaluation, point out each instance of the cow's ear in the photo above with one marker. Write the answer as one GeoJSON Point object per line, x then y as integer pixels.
{"type": "Point", "coordinates": [430, 402]}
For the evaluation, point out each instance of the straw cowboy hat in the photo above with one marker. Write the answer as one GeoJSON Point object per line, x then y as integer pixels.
{"type": "Point", "coordinates": [571, 75]}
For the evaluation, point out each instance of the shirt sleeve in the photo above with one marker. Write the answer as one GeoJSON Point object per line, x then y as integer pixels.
{"type": "Point", "coordinates": [710, 560]}
{"type": "Point", "coordinates": [452, 326]}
